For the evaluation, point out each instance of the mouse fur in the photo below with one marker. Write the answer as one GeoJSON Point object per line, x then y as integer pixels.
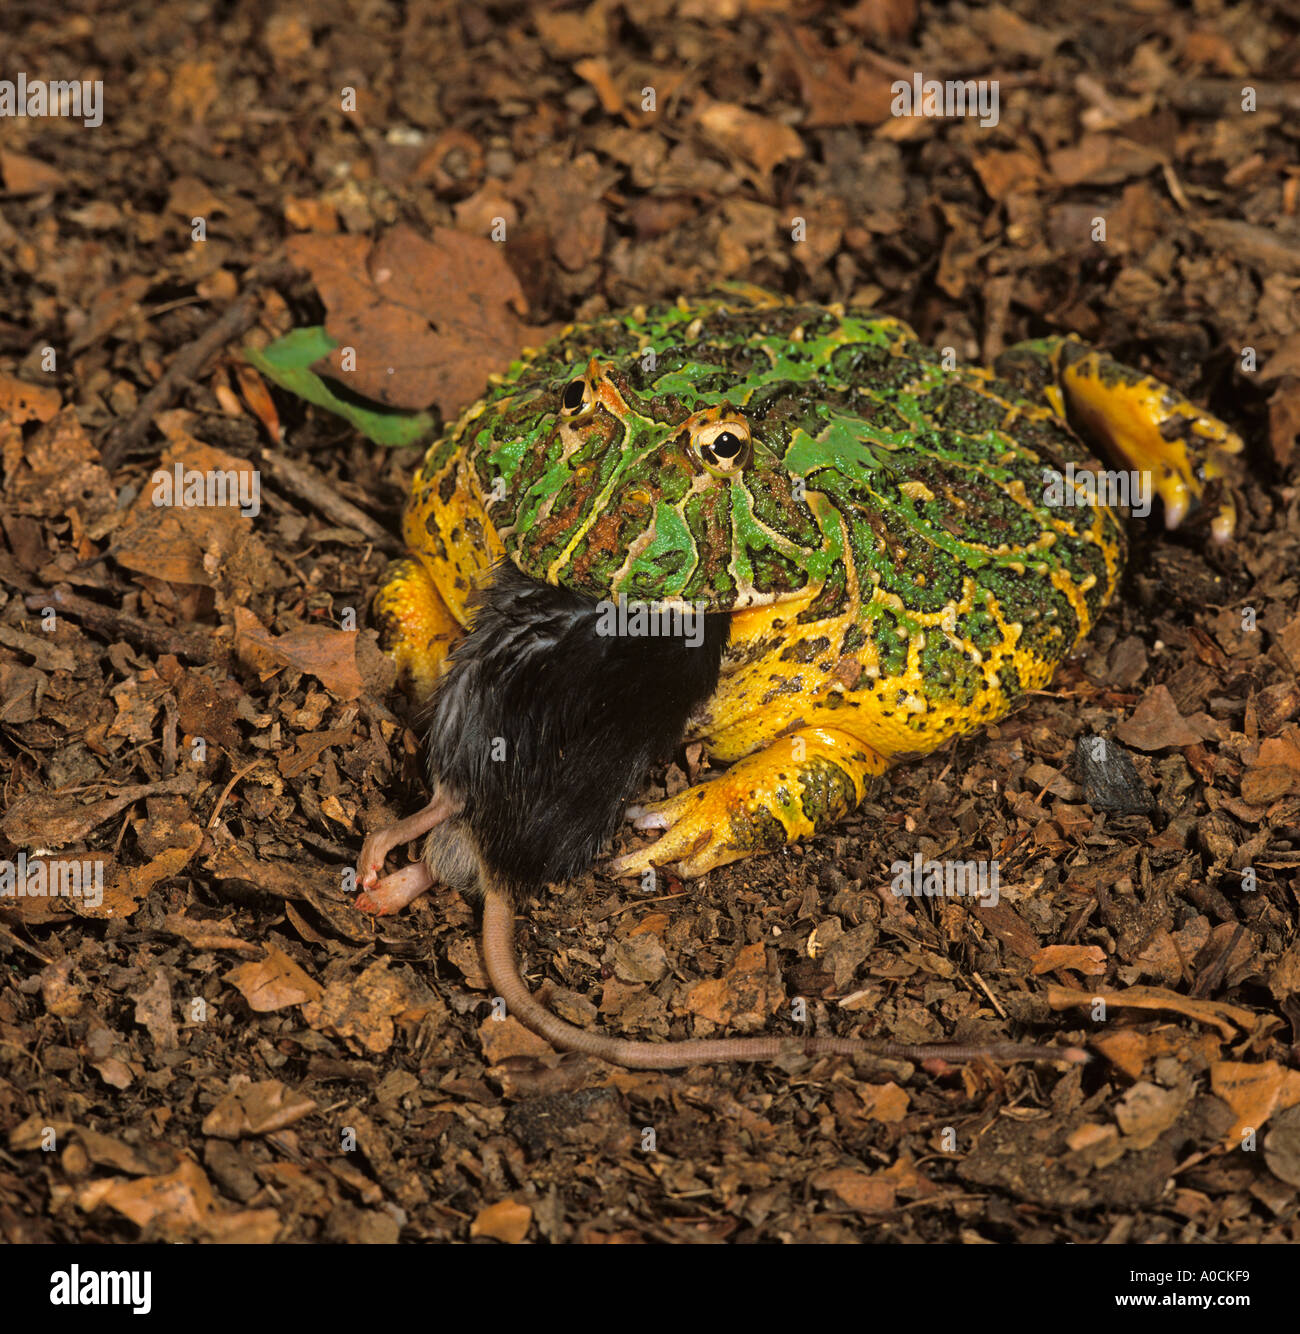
{"type": "Point", "coordinates": [544, 728]}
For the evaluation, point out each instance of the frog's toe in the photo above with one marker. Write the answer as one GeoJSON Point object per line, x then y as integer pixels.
{"type": "Point", "coordinates": [689, 864]}
{"type": "Point", "coordinates": [1192, 468]}
{"type": "Point", "coordinates": [803, 782]}
{"type": "Point", "coordinates": [1187, 454]}
{"type": "Point", "coordinates": [692, 823]}
{"type": "Point", "coordinates": [647, 817]}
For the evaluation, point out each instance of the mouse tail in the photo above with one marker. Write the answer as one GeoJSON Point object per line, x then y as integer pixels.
{"type": "Point", "coordinates": [503, 969]}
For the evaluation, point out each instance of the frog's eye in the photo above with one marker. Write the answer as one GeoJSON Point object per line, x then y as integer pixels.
{"type": "Point", "coordinates": [577, 400]}
{"type": "Point", "coordinates": [723, 447]}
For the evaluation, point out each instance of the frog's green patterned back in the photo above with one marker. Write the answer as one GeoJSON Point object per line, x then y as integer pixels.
{"type": "Point", "coordinates": [875, 474]}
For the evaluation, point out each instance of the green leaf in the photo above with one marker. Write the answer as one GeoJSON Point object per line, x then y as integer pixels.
{"type": "Point", "coordinates": [288, 361]}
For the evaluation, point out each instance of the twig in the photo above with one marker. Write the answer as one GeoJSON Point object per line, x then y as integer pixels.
{"type": "Point", "coordinates": [228, 789]}
{"type": "Point", "coordinates": [318, 491]}
{"type": "Point", "coordinates": [1213, 97]}
{"type": "Point", "coordinates": [23, 945]}
{"type": "Point", "coordinates": [192, 358]}
{"type": "Point", "coordinates": [196, 648]}
{"type": "Point", "coordinates": [1210, 978]}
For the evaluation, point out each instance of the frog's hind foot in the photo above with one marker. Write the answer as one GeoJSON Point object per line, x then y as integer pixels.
{"type": "Point", "coordinates": [1182, 452]}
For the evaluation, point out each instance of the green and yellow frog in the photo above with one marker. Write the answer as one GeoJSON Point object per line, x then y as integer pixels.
{"type": "Point", "coordinates": [904, 544]}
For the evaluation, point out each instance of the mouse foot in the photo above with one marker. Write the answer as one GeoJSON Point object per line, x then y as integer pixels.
{"type": "Point", "coordinates": [375, 850]}
{"type": "Point", "coordinates": [394, 892]}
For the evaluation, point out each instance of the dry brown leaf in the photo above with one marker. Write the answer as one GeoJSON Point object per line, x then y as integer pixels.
{"type": "Point", "coordinates": [757, 140]}
{"type": "Point", "coordinates": [142, 1159]}
{"type": "Point", "coordinates": [110, 1056]}
{"type": "Point", "coordinates": [62, 995]}
{"type": "Point", "coordinates": [504, 1038]}
{"type": "Point", "coordinates": [1090, 1136]}
{"type": "Point", "coordinates": [1102, 159]}
{"type": "Point", "coordinates": [1253, 1090]}
{"type": "Point", "coordinates": [30, 1133]}
{"type": "Point", "coordinates": [1275, 771]}
{"type": "Point", "coordinates": [329, 655]}
{"type": "Point", "coordinates": [1004, 172]}
{"type": "Point", "coordinates": [58, 470]}
{"type": "Point", "coordinates": [180, 1206]}
{"type": "Point", "coordinates": [571, 34]}
{"type": "Point", "coordinates": [25, 175]}
{"type": "Point", "coordinates": [309, 748]}
{"type": "Point", "coordinates": [564, 198]}
{"type": "Point", "coordinates": [51, 819]}
{"type": "Point", "coordinates": [187, 543]}
{"type": "Point", "coordinates": [121, 899]}
{"type": "Point", "coordinates": [1126, 1049]}
{"type": "Point", "coordinates": [1221, 1015]}
{"type": "Point", "coordinates": [833, 95]}
{"type": "Point", "coordinates": [191, 198]}
{"type": "Point", "coordinates": [864, 1192]}
{"type": "Point", "coordinates": [20, 688]}
{"type": "Point", "coordinates": [362, 1009]}
{"type": "Point", "coordinates": [596, 71]}
{"type": "Point", "coordinates": [429, 319]}
{"type": "Point", "coordinates": [1284, 423]}
{"type": "Point", "coordinates": [465, 954]}
{"type": "Point", "coordinates": [129, 885]}
{"type": "Point", "coordinates": [743, 997]}
{"type": "Point", "coordinates": [885, 1102]}
{"type": "Point", "coordinates": [1146, 1111]}
{"type": "Point", "coordinates": [506, 1221]}
{"type": "Point", "coordinates": [257, 1109]}
{"type": "Point", "coordinates": [1089, 959]}
{"type": "Point", "coordinates": [1156, 723]}
{"type": "Point", "coordinates": [154, 1011]}
{"type": "Point", "coordinates": [273, 983]}
{"type": "Point", "coordinates": [882, 20]}
{"type": "Point", "coordinates": [111, 307]}
{"type": "Point", "coordinates": [1282, 1148]}
{"type": "Point", "coordinates": [22, 401]}
{"type": "Point", "coordinates": [258, 397]}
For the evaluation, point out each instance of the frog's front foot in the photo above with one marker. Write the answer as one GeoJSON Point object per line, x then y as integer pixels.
{"type": "Point", "coordinates": [800, 784]}
{"type": "Point", "coordinates": [696, 827]}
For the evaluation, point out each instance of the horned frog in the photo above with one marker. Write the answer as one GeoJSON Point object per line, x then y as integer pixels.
{"type": "Point", "coordinates": [904, 545]}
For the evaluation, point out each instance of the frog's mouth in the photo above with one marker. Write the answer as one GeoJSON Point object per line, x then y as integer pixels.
{"type": "Point", "coordinates": [656, 528]}
{"type": "Point", "coordinates": [691, 556]}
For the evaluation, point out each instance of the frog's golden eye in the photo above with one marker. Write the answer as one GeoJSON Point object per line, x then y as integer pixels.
{"type": "Point", "coordinates": [578, 399]}
{"type": "Point", "coordinates": [723, 447]}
